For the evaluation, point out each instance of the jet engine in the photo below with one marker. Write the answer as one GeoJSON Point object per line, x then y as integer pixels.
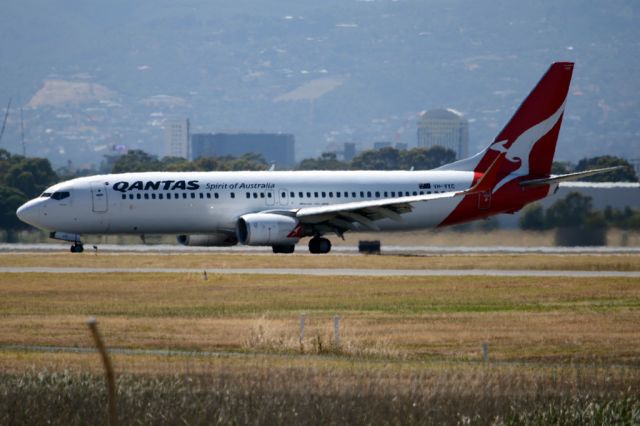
{"type": "Point", "coordinates": [208, 240]}
{"type": "Point", "coordinates": [267, 229]}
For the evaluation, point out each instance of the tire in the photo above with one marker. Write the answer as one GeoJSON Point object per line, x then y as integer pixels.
{"type": "Point", "coordinates": [285, 248]}
{"type": "Point", "coordinates": [318, 245]}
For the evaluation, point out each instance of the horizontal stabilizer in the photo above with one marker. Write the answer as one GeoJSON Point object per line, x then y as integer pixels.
{"type": "Point", "coordinates": [567, 177]}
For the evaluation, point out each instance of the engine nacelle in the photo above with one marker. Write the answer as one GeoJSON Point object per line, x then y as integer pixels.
{"type": "Point", "coordinates": [207, 240]}
{"type": "Point", "coordinates": [266, 229]}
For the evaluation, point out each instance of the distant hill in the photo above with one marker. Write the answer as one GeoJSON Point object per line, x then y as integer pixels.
{"type": "Point", "coordinates": [94, 74]}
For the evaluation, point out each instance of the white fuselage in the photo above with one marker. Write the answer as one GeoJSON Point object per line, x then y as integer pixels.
{"type": "Point", "coordinates": [208, 202]}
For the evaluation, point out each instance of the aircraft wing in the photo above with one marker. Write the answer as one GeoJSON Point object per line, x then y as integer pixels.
{"type": "Point", "coordinates": [365, 212]}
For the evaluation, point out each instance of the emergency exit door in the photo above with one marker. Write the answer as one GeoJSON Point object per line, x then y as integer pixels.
{"type": "Point", "coordinates": [99, 199]}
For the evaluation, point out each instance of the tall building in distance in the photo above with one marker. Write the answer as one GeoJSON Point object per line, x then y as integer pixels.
{"type": "Point", "coordinates": [176, 138]}
{"type": "Point", "coordinates": [444, 127]}
{"type": "Point", "coordinates": [278, 148]}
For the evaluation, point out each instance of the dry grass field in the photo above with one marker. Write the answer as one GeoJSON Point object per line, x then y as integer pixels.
{"type": "Point", "coordinates": [203, 261]}
{"type": "Point", "coordinates": [562, 350]}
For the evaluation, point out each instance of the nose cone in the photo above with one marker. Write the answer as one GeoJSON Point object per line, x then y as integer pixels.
{"type": "Point", "coordinates": [29, 212]}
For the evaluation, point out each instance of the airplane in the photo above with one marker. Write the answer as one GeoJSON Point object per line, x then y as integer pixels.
{"type": "Point", "coordinates": [279, 208]}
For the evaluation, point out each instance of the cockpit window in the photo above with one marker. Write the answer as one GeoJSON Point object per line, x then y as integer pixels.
{"type": "Point", "coordinates": [46, 195]}
{"type": "Point", "coordinates": [60, 195]}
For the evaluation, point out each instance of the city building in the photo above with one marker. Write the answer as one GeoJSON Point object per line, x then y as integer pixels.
{"type": "Point", "coordinates": [349, 151]}
{"type": "Point", "coordinates": [444, 127]}
{"type": "Point", "coordinates": [382, 144]}
{"type": "Point", "coordinates": [278, 148]}
{"type": "Point", "coordinates": [176, 138]}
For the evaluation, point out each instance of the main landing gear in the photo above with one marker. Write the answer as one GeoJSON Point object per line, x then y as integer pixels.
{"type": "Point", "coordinates": [319, 245]}
{"type": "Point", "coordinates": [77, 248]}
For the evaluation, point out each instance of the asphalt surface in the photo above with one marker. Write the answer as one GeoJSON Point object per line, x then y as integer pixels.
{"type": "Point", "coordinates": [332, 272]}
{"type": "Point", "coordinates": [386, 249]}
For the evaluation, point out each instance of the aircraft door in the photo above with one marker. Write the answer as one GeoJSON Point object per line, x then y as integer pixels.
{"type": "Point", "coordinates": [270, 198]}
{"type": "Point", "coordinates": [282, 197]}
{"type": "Point", "coordinates": [99, 200]}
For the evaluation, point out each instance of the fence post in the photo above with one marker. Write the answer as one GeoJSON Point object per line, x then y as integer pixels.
{"type": "Point", "coordinates": [302, 320]}
{"type": "Point", "coordinates": [485, 352]}
{"type": "Point", "coordinates": [108, 369]}
{"type": "Point", "coordinates": [336, 329]}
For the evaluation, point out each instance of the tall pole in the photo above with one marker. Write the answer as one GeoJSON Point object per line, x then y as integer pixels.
{"type": "Point", "coordinates": [4, 123]}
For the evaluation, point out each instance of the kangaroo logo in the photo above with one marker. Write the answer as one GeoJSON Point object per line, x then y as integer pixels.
{"type": "Point", "coordinates": [519, 150]}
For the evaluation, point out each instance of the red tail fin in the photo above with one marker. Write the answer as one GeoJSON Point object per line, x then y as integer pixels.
{"type": "Point", "coordinates": [529, 138]}
{"type": "Point", "coordinates": [533, 129]}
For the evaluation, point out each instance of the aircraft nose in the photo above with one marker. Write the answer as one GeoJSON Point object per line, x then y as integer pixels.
{"type": "Point", "coordinates": [29, 212]}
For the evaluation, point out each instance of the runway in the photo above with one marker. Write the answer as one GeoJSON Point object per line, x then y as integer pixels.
{"type": "Point", "coordinates": [342, 249]}
{"type": "Point", "coordinates": [332, 272]}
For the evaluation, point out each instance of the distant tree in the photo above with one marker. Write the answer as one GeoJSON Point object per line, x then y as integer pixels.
{"type": "Point", "coordinates": [327, 161]}
{"type": "Point", "coordinates": [206, 164]}
{"type": "Point", "coordinates": [533, 218]}
{"type": "Point", "coordinates": [136, 161]}
{"type": "Point", "coordinates": [377, 159]}
{"type": "Point", "coordinates": [249, 162]}
{"type": "Point", "coordinates": [176, 164]}
{"type": "Point", "coordinates": [625, 174]}
{"type": "Point", "coordinates": [10, 200]}
{"type": "Point", "coordinates": [30, 176]}
{"type": "Point", "coordinates": [426, 158]}
{"type": "Point", "coordinates": [571, 211]}
{"type": "Point", "coordinates": [561, 168]}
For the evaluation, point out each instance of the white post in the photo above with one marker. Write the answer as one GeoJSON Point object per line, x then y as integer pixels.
{"type": "Point", "coordinates": [336, 329]}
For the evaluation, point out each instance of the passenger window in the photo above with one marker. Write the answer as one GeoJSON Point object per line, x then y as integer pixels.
{"type": "Point", "coordinates": [330, 194]}
{"type": "Point", "coordinates": [283, 194]}
{"type": "Point", "coordinates": [184, 195]}
{"type": "Point", "coordinates": [124, 196]}
{"type": "Point", "coordinates": [368, 194]}
{"type": "Point", "coordinates": [300, 194]}
{"type": "Point", "coordinates": [248, 195]}
{"type": "Point", "coordinates": [421, 192]}
{"type": "Point", "coordinates": [168, 196]}
{"type": "Point", "coordinates": [262, 195]}
{"type": "Point", "coordinates": [153, 196]}
{"type": "Point", "coordinates": [361, 194]}
{"type": "Point", "coordinates": [201, 195]}
{"type": "Point", "coordinates": [131, 196]}
{"type": "Point", "coordinates": [292, 194]}
{"type": "Point", "coordinates": [146, 196]}
{"type": "Point", "coordinates": [176, 196]}
{"type": "Point", "coordinates": [268, 195]}
{"type": "Point", "coordinates": [159, 196]}
{"type": "Point", "coordinates": [407, 193]}
{"type": "Point", "coordinates": [255, 195]}
{"type": "Point", "coordinates": [193, 195]}
{"type": "Point", "coordinates": [393, 193]}
{"type": "Point", "coordinates": [208, 195]}
{"type": "Point", "coordinates": [324, 194]}
{"type": "Point", "coordinates": [377, 194]}
{"type": "Point", "coordinates": [337, 194]}
{"type": "Point", "coordinates": [415, 192]}
{"type": "Point", "coordinates": [346, 194]}
{"type": "Point", "coordinates": [315, 194]}
{"type": "Point", "coordinates": [233, 195]}
{"type": "Point", "coordinates": [308, 195]}
{"type": "Point", "coordinates": [385, 194]}
{"type": "Point", "coordinates": [138, 196]}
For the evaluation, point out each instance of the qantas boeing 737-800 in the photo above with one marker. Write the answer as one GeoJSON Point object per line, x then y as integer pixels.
{"type": "Point", "coordinates": [278, 209]}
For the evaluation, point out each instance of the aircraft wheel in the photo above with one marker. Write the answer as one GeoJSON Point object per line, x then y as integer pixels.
{"type": "Point", "coordinates": [284, 248]}
{"type": "Point", "coordinates": [77, 248]}
{"type": "Point", "coordinates": [318, 245]}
